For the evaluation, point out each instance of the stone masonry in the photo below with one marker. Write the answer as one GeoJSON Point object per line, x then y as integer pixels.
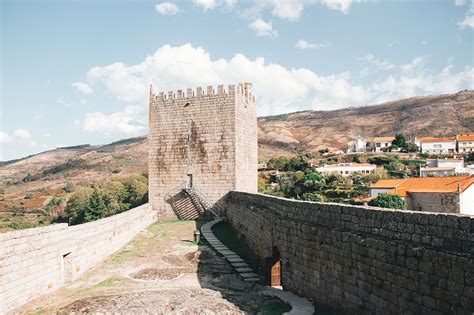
{"type": "Point", "coordinates": [210, 136]}
{"type": "Point", "coordinates": [362, 260]}
{"type": "Point", "coordinates": [34, 262]}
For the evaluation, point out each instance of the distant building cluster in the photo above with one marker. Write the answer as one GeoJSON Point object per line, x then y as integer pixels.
{"type": "Point", "coordinates": [347, 169]}
{"type": "Point", "coordinates": [460, 144]}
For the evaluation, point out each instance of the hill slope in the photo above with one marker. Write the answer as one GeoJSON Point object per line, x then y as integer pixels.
{"type": "Point", "coordinates": [310, 131]}
{"type": "Point", "coordinates": [44, 175]}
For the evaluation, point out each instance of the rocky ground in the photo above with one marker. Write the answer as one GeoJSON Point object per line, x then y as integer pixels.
{"type": "Point", "coordinates": [161, 271]}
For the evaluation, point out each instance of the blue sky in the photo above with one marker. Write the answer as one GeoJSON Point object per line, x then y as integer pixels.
{"type": "Point", "coordinates": [78, 72]}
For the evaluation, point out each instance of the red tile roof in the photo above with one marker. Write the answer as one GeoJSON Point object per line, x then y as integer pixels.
{"type": "Point", "coordinates": [426, 184]}
{"type": "Point", "coordinates": [432, 140]}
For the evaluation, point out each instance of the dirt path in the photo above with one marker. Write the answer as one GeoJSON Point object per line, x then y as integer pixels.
{"type": "Point", "coordinates": [161, 271]}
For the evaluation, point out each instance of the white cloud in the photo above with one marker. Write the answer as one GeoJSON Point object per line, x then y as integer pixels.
{"type": "Point", "coordinates": [392, 44]}
{"type": "Point", "coordinates": [292, 9]}
{"type": "Point", "coordinates": [206, 4]}
{"type": "Point", "coordinates": [83, 88]}
{"type": "Point", "coordinates": [167, 8]}
{"type": "Point", "coordinates": [212, 4]}
{"type": "Point", "coordinates": [289, 10]}
{"type": "Point", "coordinates": [263, 28]}
{"type": "Point", "coordinates": [4, 137]}
{"type": "Point", "coordinates": [63, 102]}
{"type": "Point", "coordinates": [46, 135]}
{"type": "Point", "coordinates": [22, 134]}
{"type": "Point", "coordinates": [424, 42]}
{"type": "Point", "coordinates": [459, 2]}
{"type": "Point", "coordinates": [468, 21]}
{"type": "Point", "coordinates": [380, 64]}
{"type": "Point", "coordinates": [278, 89]}
{"type": "Point", "coordinates": [129, 121]}
{"type": "Point", "coordinates": [302, 44]}
{"type": "Point", "coordinates": [340, 5]}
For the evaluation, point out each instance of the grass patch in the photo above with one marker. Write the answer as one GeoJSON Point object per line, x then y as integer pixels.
{"type": "Point", "coordinates": [156, 227]}
{"type": "Point", "coordinates": [107, 283]}
{"type": "Point", "coordinates": [224, 232]}
{"type": "Point", "coordinates": [274, 308]}
{"type": "Point", "coordinates": [130, 251]}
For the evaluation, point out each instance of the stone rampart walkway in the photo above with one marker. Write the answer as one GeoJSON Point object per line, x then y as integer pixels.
{"type": "Point", "coordinates": [299, 305]}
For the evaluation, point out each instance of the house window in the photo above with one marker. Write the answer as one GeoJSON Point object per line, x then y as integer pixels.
{"type": "Point", "coordinates": [378, 144]}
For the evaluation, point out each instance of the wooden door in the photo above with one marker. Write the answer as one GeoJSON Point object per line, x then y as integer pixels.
{"type": "Point", "coordinates": [276, 274]}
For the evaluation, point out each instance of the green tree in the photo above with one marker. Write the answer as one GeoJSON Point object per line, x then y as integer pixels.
{"type": "Point", "coordinates": [399, 141]}
{"type": "Point", "coordinates": [312, 197]}
{"type": "Point", "coordinates": [411, 147]}
{"type": "Point", "coordinates": [136, 189]}
{"type": "Point", "coordinates": [394, 166]}
{"type": "Point", "coordinates": [76, 207]}
{"type": "Point", "coordinates": [296, 163]}
{"type": "Point", "coordinates": [470, 157]}
{"type": "Point", "coordinates": [278, 163]}
{"type": "Point", "coordinates": [313, 181]}
{"type": "Point", "coordinates": [388, 201]}
{"type": "Point", "coordinates": [95, 208]}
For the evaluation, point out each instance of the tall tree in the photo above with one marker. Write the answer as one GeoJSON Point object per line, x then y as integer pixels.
{"type": "Point", "coordinates": [96, 208]}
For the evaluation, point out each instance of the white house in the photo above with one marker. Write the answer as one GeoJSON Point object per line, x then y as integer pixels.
{"type": "Point", "coordinates": [357, 145]}
{"type": "Point", "coordinates": [437, 145]}
{"type": "Point", "coordinates": [382, 143]}
{"type": "Point", "coordinates": [347, 169]}
{"type": "Point", "coordinates": [438, 194]}
{"type": "Point", "coordinates": [443, 167]}
{"type": "Point", "coordinates": [465, 142]}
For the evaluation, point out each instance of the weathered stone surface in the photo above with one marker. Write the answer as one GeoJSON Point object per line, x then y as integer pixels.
{"type": "Point", "coordinates": [362, 259]}
{"type": "Point", "coordinates": [212, 137]}
{"type": "Point", "coordinates": [34, 262]}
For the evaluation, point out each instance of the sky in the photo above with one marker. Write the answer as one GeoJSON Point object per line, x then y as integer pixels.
{"type": "Point", "coordinates": [79, 72]}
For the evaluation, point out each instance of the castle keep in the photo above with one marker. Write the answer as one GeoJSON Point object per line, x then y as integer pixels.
{"type": "Point", "coordinates": [204, 144]}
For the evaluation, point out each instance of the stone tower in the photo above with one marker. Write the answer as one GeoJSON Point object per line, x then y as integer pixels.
{"type": "Point", "coordinates": [207, 141]}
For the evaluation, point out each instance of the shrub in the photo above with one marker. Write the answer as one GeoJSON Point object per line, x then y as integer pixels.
{"type": "Point", "coordinates": [388, 201]}
{"type": "Point", "coordinates": [70, 187]}
{"type": "Point", "coordinates": [312, 197]}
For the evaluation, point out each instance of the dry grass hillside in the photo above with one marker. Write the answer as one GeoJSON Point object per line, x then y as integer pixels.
{"type": "Point", "coordinates": [28, 184]}
{"type": "Point", "coordinates": [310, 131]}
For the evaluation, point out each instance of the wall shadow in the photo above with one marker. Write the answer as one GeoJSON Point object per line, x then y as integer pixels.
{"type": "Point", "coordinates": [215, 273]}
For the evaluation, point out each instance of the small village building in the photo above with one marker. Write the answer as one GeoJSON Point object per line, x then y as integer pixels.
{"type": "Point", "coordinates": [357, 145]}
{"type": "Point", "coordinates": [347, 169]}
{"type": "Point", "coordinates": [443, 167]}
{"type": "Point", "coordinates": [382, 143]}
{"type": "Point", "coordinates": [465, 142]}
{"type": "Point", "coordinates": [437, 145]}
{"type": "Point", "coordinates": [453, 194]}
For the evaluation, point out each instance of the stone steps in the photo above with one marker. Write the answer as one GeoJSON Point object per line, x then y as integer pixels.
{"type": "Point", "coordinates": [240, 266]}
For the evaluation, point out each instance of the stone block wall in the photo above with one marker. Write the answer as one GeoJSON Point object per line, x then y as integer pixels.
{"type": "Point", "coordinates": [34, 262]}
{"type": "Point", "coordinates": [434, 202]}
{"type": "Point", "coordinates": [211, 136]}
{"type": "Point", "coordinates": [363, 259]}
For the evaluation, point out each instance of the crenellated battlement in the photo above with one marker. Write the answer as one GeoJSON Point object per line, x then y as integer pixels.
{"type": "Point", "coordinates": [242, 89]}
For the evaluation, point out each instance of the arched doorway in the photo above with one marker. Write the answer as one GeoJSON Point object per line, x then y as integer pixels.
{"type": "Point", "coordinates": [273, 268]}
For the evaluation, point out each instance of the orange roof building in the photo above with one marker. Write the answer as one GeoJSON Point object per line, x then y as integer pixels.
{"type": "Point", "coordinates": [453, 194]}
{"type": "Point", "coordinates": [382, 143]}
{"type": "Point", "coordinates": [465, 142]}
{"type": "Point", "coordinates": [433, 145]}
